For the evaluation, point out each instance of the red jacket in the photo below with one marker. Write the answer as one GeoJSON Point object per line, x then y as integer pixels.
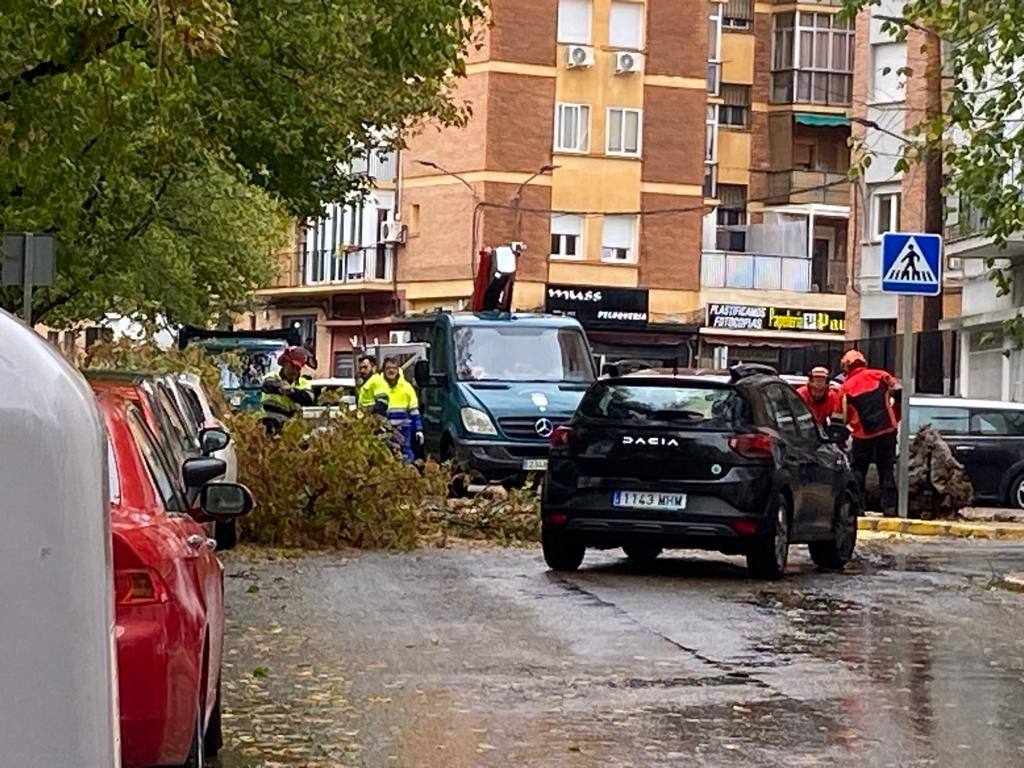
{"type": "Point", "coordinates": [868, 394]}
{"type": "Point", "coordinates": [822, 409]}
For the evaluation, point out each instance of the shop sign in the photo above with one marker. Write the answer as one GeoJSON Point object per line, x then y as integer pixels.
{"type": "Point", "coordinates": [598, 305]}
{"type": "Point", "coordinates": [743, 317]}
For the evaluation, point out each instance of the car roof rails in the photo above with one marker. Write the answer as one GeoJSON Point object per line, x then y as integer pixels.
{"type": "Point", "coordinates": [743, 370]}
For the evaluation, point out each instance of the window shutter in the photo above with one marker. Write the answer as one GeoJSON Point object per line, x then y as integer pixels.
{"type": "Point", "coordinates": [566, 224]}
{"type": "Point", "coordinates": [740, 9]}
{"type": "Point", "coordinates": [626, 25]}
{"type": "Point", "coordinates": [574, 21]}
{"type": "Point", "coordinates": [618, 232]}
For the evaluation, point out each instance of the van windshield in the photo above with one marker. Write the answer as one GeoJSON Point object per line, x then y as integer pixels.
{"type": "Point", "coordinates": [522, 353]}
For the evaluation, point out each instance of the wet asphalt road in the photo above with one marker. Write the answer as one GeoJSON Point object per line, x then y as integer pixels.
{"type": "Point", "coordinates": [481, 657]}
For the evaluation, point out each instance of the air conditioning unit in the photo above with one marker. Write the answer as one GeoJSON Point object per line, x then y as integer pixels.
{"type": "Point", "coordinates": [628, 62]}
{"type": "Point", "coordinates": [578, 56]}
{"type": "Point", "coordinates": [399, 337]}
{"type": "Point", "coordinates": [392, 232]}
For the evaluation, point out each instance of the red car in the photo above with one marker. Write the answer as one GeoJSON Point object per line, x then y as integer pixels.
{"type": "Point", "coordinates": [169, 592]}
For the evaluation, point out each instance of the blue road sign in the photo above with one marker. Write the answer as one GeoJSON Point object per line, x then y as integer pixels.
{"type": "Point", "coordinates": [912, 263]}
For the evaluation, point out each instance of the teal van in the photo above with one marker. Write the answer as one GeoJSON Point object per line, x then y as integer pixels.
{"type": "Point", "coordinates": [254, 356]}
{"type": "Point", "coordinates": [496, 385]}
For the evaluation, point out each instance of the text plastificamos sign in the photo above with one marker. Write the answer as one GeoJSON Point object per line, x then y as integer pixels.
{"type": "Point", "coordinates": [744, 317]}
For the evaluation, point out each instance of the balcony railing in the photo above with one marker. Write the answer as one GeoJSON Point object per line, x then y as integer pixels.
{"type": "Point", "coordinates": [771, 273]}
{"type": "Point", "coordinates": [367, 265]}
{"type": "Point", "coordinates": [763, 273]}
{"type": "Point", "coordinates": [309, 268]}
{"type": "Point", "coordinates": [381, 165]}
{"type": "Point", "coordinates": [800, 187]}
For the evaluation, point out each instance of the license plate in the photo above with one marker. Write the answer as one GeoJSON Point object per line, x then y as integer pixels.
{"type": "Point", "coordinates": [535, 465]}
{"type": "Point", "coordinates": [649, 500]}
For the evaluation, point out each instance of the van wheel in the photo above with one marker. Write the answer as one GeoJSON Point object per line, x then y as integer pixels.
{"type": "Point", "coordinates": [213, 739]}
{"type": "Point", "coordinates": [767, 558]}
{"type": "Point", "coordinates": [642, 553]}
{"type": "Point", "coordinates": [458, 488]}
{"type": "Point", "coordinates": [1016, 496]}
{"type": "Point", "coordinates": [835, 554]}
{"type": "Point", "coordinates": [562, 552]}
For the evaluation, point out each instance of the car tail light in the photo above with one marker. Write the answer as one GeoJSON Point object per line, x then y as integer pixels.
{"type": "Point", "coordinates": [562, 436]}
{"type": "Point", "coordinates": [140, 586]}
{"type": "Point", "coordinates": [744, 527]}
{"type": "Point", "coordinates": [556, 519]}
{"type": "Point", "coordinates": [753, 446]}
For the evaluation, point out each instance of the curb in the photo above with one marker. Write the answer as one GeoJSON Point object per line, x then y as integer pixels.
{"type": "Point", "coordinates": [941, 528]}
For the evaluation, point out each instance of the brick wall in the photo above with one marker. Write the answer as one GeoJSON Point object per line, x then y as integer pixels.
{"type": "Point", "coordinates": [670, 243]}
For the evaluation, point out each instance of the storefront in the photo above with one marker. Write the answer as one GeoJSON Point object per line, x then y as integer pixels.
{"type": "Point", "coordinates": [789, 338]}
{"type": "Point", "coordinates": [618, 325]}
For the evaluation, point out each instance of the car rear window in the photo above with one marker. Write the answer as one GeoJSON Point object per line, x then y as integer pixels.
{"type": "Point", "coordinates": [688, 406]}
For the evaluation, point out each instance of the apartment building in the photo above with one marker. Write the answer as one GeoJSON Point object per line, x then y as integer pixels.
{"type": "Point", "coordinates": [676, 170]}
{"type": "Point", "coordinates": [773, 261]}
{"type": "Point", "coordinates": [336, 280]}
{"type": "Point", "coordinates": [586, 145]}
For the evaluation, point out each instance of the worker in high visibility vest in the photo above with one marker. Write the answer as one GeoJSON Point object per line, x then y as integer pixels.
{"type": "Point", "coordinates": [403, 409]}
{"type": "Point", "coordinates": [373, 384]}
{"type": "Point", "coordinates": [286, 392]}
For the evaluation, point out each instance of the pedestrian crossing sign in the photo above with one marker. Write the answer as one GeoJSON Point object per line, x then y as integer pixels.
{"type": "Point", "coordinates": [912, 263]}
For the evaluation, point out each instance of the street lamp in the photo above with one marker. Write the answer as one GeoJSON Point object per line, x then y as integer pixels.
{"type": "Point", "coordinates": [517, 199]}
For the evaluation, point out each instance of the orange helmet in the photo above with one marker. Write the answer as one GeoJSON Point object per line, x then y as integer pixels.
{"type": "Point", "coordinates": [297, 356]}
{"type": "Point", "coordinates": [852, 358]}
{"type": "Point", "coordinates": [818, 371]}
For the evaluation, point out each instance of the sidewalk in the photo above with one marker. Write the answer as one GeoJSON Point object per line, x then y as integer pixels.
{"type": "Point", "coordinates": [975, 523]}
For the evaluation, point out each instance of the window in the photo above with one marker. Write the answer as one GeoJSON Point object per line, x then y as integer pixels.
{"type": "Point", "coordinates": [574, 21]}
{"type": "Point", "coordinates": [886, 216]}
{"type": "Point", "coordinates": [805, 423]}
{"type": "Point", "coordinates": [344, 366]}
{"type": "Point", "coordinates": [948, 421]}
{"type": "Point", "coordinates": [736, 109]}
{"type": "Point", "coordinates": [1006, 423]}
{"type": "Point", "coordinates": [153, 458]}
{"type": "Point", "coordinates": [113, 478]}
{"type": "Point", "coordinates": [777, 407]}
{"type": "Point", "coordinates": [738, 14]}
{"type": "Point", "coordinates": [732, 210]}
{"type": "Point", "coordinates": [887, 83]}
{"type": "Point", "coordinates": [711, 134]}
{"type": "Point", "coordinates": [812, 59]}
{"type": "Point", "coordinates": [525, 353]}
{"type": "Point", "coordinates": [714, 48]}
{"type": "Point", "coordinates": [626, 26]}
{"type": "Point", "coordinates": [439, 351]}
{"type": "Point", "coordinates": [566, 236]}
{"type": "Point", "coordinates": [618, 239]}
{"type": "Point", "coordinates": [879, 329]}
{"type": "Point", "coordinates": [623, 134]}
{"type": "Point", "coordinates": [572, 128]}
{"type": "Point", "coordinates": [684, 407]}
{"type": "Point", "coordinates": [53, 337]}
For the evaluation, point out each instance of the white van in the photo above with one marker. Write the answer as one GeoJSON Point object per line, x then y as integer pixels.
{"type": "Point", "coordinates": [58, 676]}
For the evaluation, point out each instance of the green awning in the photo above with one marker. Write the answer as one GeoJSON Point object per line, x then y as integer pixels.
{"type": "Point", "coordinates": [809, 118]}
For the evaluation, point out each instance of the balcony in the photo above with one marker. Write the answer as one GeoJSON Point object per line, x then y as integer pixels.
{"type": "Point", "coordinates": [771, 273]}
{"type": "Point", "coordinates": [805, 187]}
{"type": "Point", "coordinates": [380, 165]}
{"type": "Point", "coordinates": [325, 268]}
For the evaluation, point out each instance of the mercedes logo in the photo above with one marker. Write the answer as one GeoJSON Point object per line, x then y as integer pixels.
{"type": "Point", "coordinates": [544, 427]}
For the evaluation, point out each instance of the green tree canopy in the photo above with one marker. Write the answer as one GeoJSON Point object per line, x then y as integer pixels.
{"type": "Point", "coordinates": [169, 143]}
{"type": "Point", "coordinates": [979, 132]}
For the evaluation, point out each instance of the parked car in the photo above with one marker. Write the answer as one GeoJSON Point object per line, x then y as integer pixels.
{"type": "Point", "coordinates": [58, 701]}
{"type": "Point", "coordinates": [986, 436]}
{"type": "Point", "coordinates": [734, 463]}
{"type": "Point", "coordinates": [175, 431]}
{"type": "Point", "coordinates": [169, 593]}
{"type": "Point", "coordinates": [200, 409]}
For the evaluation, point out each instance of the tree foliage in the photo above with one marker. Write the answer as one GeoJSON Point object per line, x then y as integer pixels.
{"type": "Point", "coordinates": [168, 143]}
{"type": "Point", "coordinates": [979, 131]}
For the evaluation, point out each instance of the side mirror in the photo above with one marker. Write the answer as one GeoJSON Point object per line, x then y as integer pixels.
{"type": "Point", "coordinates": [213, 439]}
{"type": "Point", "coordinates": [225, 501]}
{"type": "Point", "coordinates": [838, 433]}
{"type": "Point", "coordinates": [196, 473]}
{"type": "Point", "coordinates": [422, 373]}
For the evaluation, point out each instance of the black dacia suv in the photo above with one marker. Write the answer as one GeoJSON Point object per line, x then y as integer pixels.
{"type": "Point", "coordinates": [734, 463]}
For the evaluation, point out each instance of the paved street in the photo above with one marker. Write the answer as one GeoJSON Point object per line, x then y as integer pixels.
{"type": "Point", "coordinates": [483, 658]}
